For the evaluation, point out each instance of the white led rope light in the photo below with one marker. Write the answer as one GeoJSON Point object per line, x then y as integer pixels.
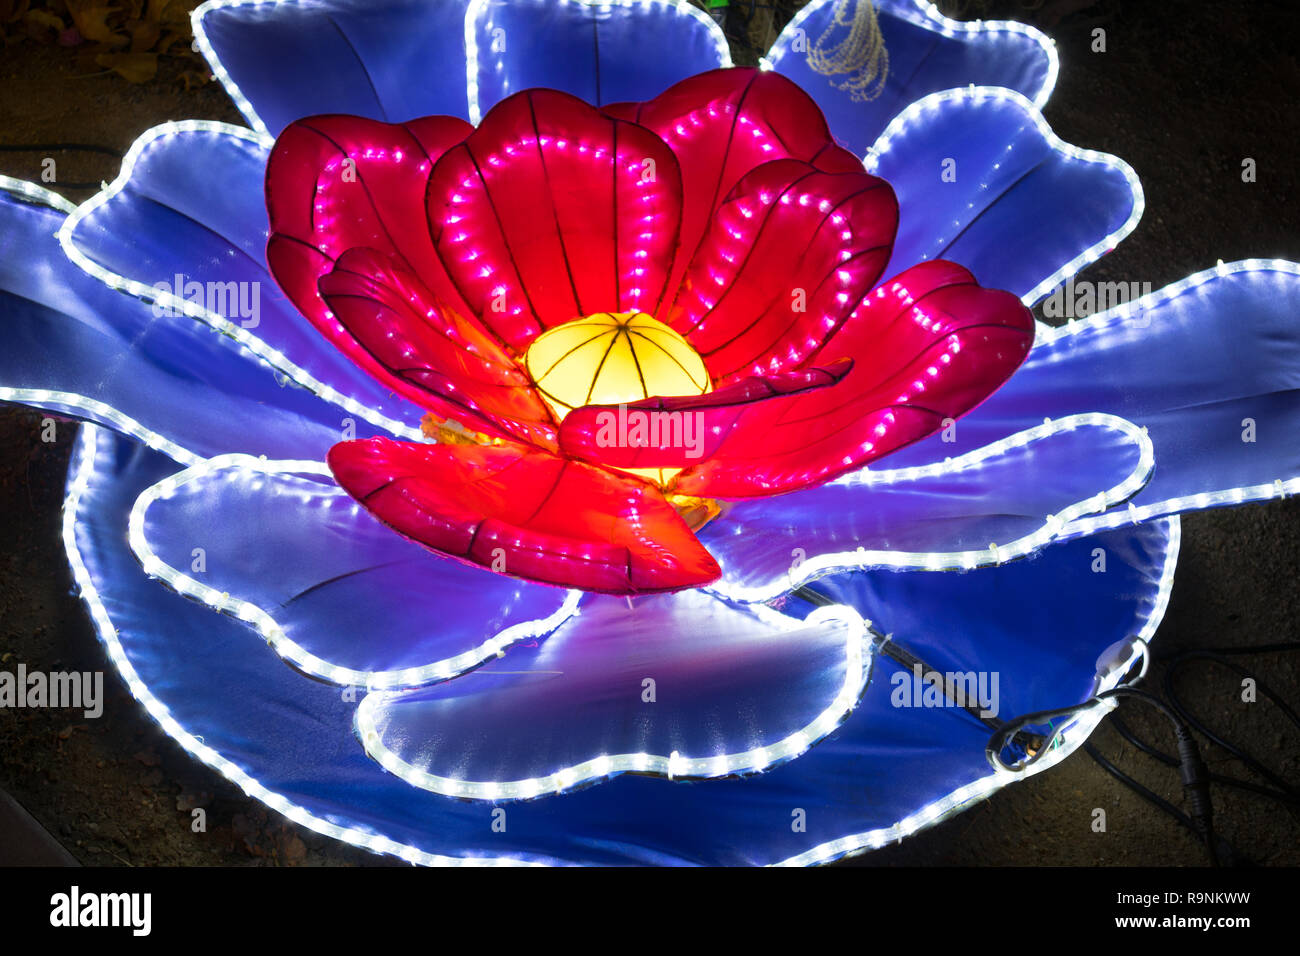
{"type": "Point", "coordinates": [1264, 491]}
{"type": "Point", "coordinates": [35, 193]}
{"type": "Point", "coordinates": [266, 625]}
{"type": "Point", "coordinates": [83, 468]}
{"type": "Point", "coordinates": [474, 13]}
{"type": "Point", "coordinates": [927, 15]}
{"type": "Point", "coordinates": [857, 667]}
{"type": "Point", "coordinates": [977, 94]}
{"type": "Point", "coordinates": [44, 398]}
{"type": "Point", "coordinates": [214, 62]}
{"type": "Point", "coordinates": [1065, 523]}
{"type": "Point", "coordinates": [264, 353]}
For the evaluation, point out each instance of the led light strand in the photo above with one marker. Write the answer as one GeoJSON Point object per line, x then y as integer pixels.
{"type": "Point", "coordinates": [1122, 313]}
{"type": "Point", "coordinates": [1053, 529]}
{"type": "Point", "coordinates": [474, 12]}
{"type": "Point", "coordinates": [82, 470]}
{"type": "Point", "coordinates": [214, 62]}
{"type": "Point", "coordinates": [270, 629]}
{"type": "Point", "coordinates": [927, 15]}
{"type": "Point", "coordinates": [978, 94]}
{"type": "Point", "coordinates": [36, 193]}
{"type": "Point", "coordinates": [255, 346]}
{"type": "Point", "coordinates": [857, 667]}
{"type": "Point", "coordinates": [44, 398]}
{"type": "Point", "coordinates": [1071, 734]}
{"type": "Point", "coordinates": [1118, 315]}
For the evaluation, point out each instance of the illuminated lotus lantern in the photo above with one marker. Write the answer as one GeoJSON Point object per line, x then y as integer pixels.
{"type": "Point", "coordinates": [499, 276]}
{"type": "Point", "coordinates": [593, 429]}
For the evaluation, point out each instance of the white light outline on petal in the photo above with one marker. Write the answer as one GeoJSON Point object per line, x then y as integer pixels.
{"type": "Point", "coordinates": [36, 193]}
{"type": "Point", "coordinates": [83, 467]}
{"type": "Point", "coordinates": [1053, 529]}
{"type": "Point", "coordinates": [978, 94]}
{"type": "Point", "coordinates": [858, 658]}
{"type": "Point", "coordinates": [81, 470]}
{"type": "Point", "coordinates": [214, 62]}
{"type": "Point", "coordinates": [265, 354]}
{"type": "Point", "coordinates": [1073, 734]}
{"type": "Point", "coordinates": [269, 628]}
{"type": "Point", "coordinates": [931, 19]}
{"type": "Point", "coordinates": [1118, 315]}
{"type": "Point", "coordinates": [474, 11]}
{"type": "Point", "coordinates": [42, 398]}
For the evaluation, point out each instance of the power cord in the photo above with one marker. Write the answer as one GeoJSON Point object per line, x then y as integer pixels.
{"type": "Point", "coordinates": [1195, 775]}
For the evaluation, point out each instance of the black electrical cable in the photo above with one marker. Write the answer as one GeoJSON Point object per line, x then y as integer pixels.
{"type": "Point", "coordinates": [1281, 796]}
{"type": "Point", "coordinates": [1196, 783]}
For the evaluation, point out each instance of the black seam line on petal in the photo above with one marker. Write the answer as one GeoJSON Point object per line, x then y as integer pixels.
{"type": "Point", "coordinates": [555, 211]}
{"type": "Point", "coordinates": [550, 492]}
{"type": "Point", "coordinates": [338, 577]}
{"type": "Point", "coordinates": [493, 419]}
{"type": "Point", "coordinates": [772, 306]}
{"type": "Point", "coordinates": [997, 199]}
{"type": "Point", "coordinates": [492, 206]}
{"type": "Point", "coordinates": [749, 249]}
{"type": "Point", "coordinates": [819, 416]}
{"type": "Point", "coordinates": [897, 314]}
{"type": "Point", "coordinates": [613, 204]}
{"type": "Point", "coordinates": [903, 87]}
{"type": "Point", "coordinates": [429, 365]}
{"type": "Point", "coordinates": [803, 255]}
{"type": "Point", "coordinates": [233, 244]}
{"type": "Point", "coordinates": [785, 330]}
{"type": "Point", "coordinates": [903, 369]}
{"type": "Point", "coordinates": [361, 181]}
{"type": "Point", "coordinates": [733, 463]}
{"type": "Point", "coordinates": [504, 361]}
{"type": "Point", "coordinates": [361, 63]}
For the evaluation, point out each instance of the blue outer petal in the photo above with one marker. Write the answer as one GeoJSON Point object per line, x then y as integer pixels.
{"type": "Point", "coordinates": [112, 360]}
{"type": "Point", "coordinates": [392, 60]}
{"type": "Point", "coordinates": [1210, 366]}
{"type": "Point", "coordinates": [993, 505]}
{"type": "Point", "coordinates": [982, 180]}
{"type": "Point", "coordinates": [926, 52]}
{"type": "Point", "coordinates": [189, 207]}
{"type": "Point", "coordinates": [335, 592]}
{"type": "Point", "coordinates": [600, 52]}
{"type": "Point", "coordinates": [287, 741]}
{"type": "Point", "coordinates": [680, 685]}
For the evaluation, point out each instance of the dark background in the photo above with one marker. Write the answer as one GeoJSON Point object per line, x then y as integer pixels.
{"type": "Point", "coordinates": [1185, 91]}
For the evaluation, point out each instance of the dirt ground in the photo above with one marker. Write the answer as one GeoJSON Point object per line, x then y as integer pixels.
{"type": "Point", "coordinates": [1185, 91]}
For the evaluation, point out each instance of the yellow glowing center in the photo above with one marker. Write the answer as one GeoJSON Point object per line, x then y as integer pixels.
{"type": "Point", "coordinates": [612, 358]}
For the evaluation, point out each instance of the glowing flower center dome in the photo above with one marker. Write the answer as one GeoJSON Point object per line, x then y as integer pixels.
{"type": "Point", "coordinates": [612, 358]}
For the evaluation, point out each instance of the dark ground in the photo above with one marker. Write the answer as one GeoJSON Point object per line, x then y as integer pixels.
{"type": "Point", "coordinates": [1184, 93]}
